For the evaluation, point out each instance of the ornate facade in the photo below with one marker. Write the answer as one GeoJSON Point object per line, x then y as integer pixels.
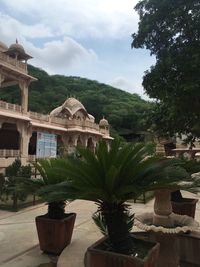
{"type": "Point", "coordinates": [70, 123]}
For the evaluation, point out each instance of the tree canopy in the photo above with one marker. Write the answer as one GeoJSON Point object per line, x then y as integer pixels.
{"type": "Point", "coordinates": [171, 31]}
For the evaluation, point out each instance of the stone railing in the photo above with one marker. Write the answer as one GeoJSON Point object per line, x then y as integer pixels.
{"type": "Point", "coordinates": [9, 153]}
{"type": "Point", "coordinates": [39, 116]}
{"type": "Point", "coordinates": [8, 106]}
{"type": "Point", "coordinates": [9, 61]}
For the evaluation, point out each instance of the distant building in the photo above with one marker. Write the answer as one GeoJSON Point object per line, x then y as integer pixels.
{"type": "Point", "coordinates": [29, 135]}
{"type": "Point", "coordinates": [177, 148]}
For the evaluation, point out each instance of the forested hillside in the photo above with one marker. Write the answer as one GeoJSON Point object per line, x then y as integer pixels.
{"type": "Point", "coordinates": [125, 112]}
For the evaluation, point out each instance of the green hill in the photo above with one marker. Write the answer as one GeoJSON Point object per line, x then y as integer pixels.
{"type": "Point", "coordinates": [125, 112]}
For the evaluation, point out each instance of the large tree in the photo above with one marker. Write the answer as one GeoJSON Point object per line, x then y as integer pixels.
{"type": "Point", "coordinates": [170, 29]}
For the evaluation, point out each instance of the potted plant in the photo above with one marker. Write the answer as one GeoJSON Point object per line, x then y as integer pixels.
{"type": "Point", "coordinates": [180, 204]}
{"type": "Point", "coordinates": [110, 178]}
{"type": "Point", "coordinates": [54, 228]}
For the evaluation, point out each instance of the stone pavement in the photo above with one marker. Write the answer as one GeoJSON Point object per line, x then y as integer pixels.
{"type": "Point", "coordinates": [19, 243]}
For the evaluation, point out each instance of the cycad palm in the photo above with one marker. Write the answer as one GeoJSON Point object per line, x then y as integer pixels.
{"type": "Point", "coordinates": [110, 178]}
{"type": "Point", "coordinates": [51, 174]}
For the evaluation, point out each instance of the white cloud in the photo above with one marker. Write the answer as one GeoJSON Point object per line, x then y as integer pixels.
{"type": "Point", "coordinates": [55, 56]}
{"type": "Point", "coordinates": [99, 18]}
{"type": "Point", "coordinates": [60, 56]}
{"type": "Point", "coordinates": [11, 28]}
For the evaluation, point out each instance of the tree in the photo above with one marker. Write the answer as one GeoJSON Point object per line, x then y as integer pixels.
{"type": "Point", "coordinates": [12, 185]}
{"type": "Point", "coordinates": [171, 31]}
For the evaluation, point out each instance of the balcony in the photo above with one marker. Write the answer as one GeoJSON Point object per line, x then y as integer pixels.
{"type": "Point", "coordinates": [11, 62]}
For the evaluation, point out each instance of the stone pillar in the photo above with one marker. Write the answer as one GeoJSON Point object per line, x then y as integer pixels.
{"type": "Point", "coordinates": [24, 95]}
{"type": "Point", "coordinates": [2, 77]}
{"type": "Point", "coordinates": [168, 255]}
{"type": "Point", "coordinates": [95, 145]}
{"type": "Point", "coordinates": [25, 134]}
{"type": "Point", "coordinates": [75, 140]}
{"type": "Point", "coordinates": [163, 209]}
{"type": "Point", "coordinates": [85, 138]}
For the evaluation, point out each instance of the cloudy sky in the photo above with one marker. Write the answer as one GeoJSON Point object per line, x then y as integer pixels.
{"type": "Point", "coordinates": [86, 38]}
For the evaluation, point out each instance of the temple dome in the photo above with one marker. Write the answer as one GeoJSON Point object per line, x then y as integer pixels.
{"type": "Point", "coordinates": [70, 106]}
{"type": "Point", "coordinates": [103, 123]}
{"type": "Point", "coordinates": [73, 105]}
{"type": "Point", "coordinates": [3, 47]}
{"type": "Point", "coordinates": [17, 50]}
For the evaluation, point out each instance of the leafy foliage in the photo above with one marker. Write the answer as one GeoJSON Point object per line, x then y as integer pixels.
{"type": "Point", "coordinates": [171, 31]}
{"type": "Point", "coordinates": [51, 174]}
{"type": "Point", "coordinates": [13, 182]}
{"type": "Point", "coordinates": [101, 223]}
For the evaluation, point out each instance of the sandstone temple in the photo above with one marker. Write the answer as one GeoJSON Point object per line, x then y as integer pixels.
{"type": "Point", "coordinates": [29, 135]}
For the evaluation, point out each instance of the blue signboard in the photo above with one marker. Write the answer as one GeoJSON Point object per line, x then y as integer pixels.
{"type": "Point", "coordinates": [46, 145]}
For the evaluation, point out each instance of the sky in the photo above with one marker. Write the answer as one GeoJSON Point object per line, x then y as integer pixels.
{"type": "Point", "coordinates": [86, 38]}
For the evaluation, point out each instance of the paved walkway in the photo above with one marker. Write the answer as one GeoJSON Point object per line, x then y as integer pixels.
{"type": "Point", "coordinates": [19, 243]}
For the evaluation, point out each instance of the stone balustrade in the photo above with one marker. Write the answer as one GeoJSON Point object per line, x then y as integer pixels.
{"type": "Point", "coordinates": [5, 59]}
{"type": "Point", "coordinates": [8, 106]}
{"type": "Point", "coordinates": [9, 153]}
{"type": "Point", "coordinates": [39, 116]}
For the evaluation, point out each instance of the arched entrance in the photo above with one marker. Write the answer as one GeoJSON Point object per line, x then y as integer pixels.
{"type": "Point", "coordinates": [32, 144]}
{"type": "Point", "coordinates": [79, 142]}
{"type": "Point", "coordinates": [9, 136]}
{"type": "Point", "coordinates": [61, 150]}
{"type": "Point", "coordinates": [90, 144]}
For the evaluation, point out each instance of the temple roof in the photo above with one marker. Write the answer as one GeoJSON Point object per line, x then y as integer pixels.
{"type": "Point", "coordinates": [103, 122]}
{"type": "Point", "coordinates": [17, 50]}
{"type": "Point", "coordinates": [71, 106]}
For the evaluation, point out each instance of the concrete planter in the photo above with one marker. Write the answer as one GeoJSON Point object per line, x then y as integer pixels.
{"type": "Point", "coordinates": [185, 207]}
{"type": "Point", "coordinates": [55, 235]}
{"type": "Point", "coordinates": [96, 257]}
